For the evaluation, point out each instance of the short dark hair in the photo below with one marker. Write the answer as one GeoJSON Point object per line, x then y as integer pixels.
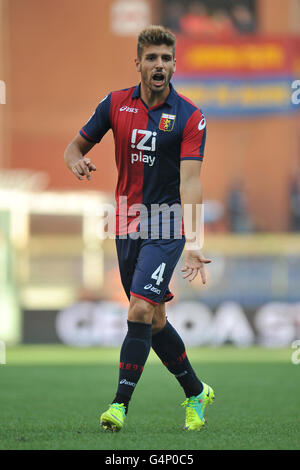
{"type": "Point", "coordinates": [155, 35]}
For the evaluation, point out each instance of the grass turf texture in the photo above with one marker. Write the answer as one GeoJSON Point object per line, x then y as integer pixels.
{"type": "Point", "coordinates": [52, 396]}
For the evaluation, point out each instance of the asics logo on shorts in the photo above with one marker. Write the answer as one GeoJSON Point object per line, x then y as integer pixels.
{"type": "Point", "coordinates": [152, 288]}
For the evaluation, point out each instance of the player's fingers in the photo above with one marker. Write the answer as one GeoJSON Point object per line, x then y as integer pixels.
{"type": "Point", "coordinates": [76, 173]}
{"type": "Point", "coordinates": [203, 274]}
{"type": "Point", "coordinates": [85, 169]}
{"type": "Point", "coordinates": [193, 274]}
{"type": "Point", "coordinates": [89, 164]}
{"type": "Point", "coordinates": [205, 260]}
{"type": "Point", "coordinates": [79, 169]}
{"type": "Point", "coordinates": [185, 268]}
{"type": "Point", "coordinates": [188, 273]}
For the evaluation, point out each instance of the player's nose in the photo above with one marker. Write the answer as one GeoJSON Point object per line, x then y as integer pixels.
{"type": "Point", "coordinates": [159, 63]}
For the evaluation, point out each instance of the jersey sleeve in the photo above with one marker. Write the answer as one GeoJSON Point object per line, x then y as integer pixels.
{"type": "Point", "coordinates": [194, 137]}
{"type": "Point", "coordinates": [99, 122]}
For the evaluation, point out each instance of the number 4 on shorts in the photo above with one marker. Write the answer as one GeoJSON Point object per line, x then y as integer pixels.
{"type": "Point", "coordinates": [158, 273]}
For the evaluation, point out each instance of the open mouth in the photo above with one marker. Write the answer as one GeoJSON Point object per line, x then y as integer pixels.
{"type": "Point", "coordinates": [158, 79]}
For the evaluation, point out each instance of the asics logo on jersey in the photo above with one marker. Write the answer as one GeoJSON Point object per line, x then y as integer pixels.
{"type": "Point", "coordinates": [129, 110]}
{"type": "Point", "coordinates": [146, 143]}
{"type": "Point", "coordinates": [202, 124]}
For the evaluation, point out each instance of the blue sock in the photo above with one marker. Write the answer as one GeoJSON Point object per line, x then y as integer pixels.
{"type": "Point", "coordinates": [134, 353]}
{"type": "Point", "coordinates": [170, 348]}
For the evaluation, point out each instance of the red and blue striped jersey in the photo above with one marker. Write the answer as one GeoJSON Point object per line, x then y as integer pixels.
{"type": "Point", "coordinates": [149, 145]}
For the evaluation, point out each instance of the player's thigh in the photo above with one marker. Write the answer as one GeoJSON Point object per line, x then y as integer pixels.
{"type": "Point", "coordinates": [127, 252]}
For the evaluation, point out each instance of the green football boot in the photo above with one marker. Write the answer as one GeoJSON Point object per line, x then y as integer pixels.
{"type": "Point", "coordinates": [113, 419]}
{"type": "Point", "coordinates": [195, 407]}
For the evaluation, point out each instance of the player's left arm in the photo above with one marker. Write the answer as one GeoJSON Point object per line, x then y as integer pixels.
{"type": "Point", "coordinates": [191, 203]}
{"type": "Point", "coordinates": [192, 152]}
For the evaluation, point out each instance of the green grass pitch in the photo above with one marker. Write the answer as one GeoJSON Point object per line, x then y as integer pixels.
{"type": "Point", "coordinates": [52, 396]}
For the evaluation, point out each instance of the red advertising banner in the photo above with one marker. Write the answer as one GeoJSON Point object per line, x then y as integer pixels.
{"type": "Point", "coordinates": [238, 57]}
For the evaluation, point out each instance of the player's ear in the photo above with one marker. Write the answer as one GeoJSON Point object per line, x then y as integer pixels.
{"type": "Point", "coordinates": [174, 61]}
{"type": "Point", "coordinates": [138, 65]}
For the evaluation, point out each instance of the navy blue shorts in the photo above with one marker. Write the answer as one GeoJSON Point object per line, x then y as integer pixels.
{"type": "Point", "coordinates": [146, 266]}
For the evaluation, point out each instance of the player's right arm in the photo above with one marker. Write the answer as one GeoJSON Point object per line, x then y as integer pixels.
{"type": "Point", "coordinates": [75, 157]}
{"type": "Point", "coordinates": [89, 135]}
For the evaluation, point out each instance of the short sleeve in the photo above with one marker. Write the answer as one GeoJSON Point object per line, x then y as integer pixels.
{"type": "Point", "coordinates": [194, 137]}
{"type": "Point", "coordinates": [99, 122]}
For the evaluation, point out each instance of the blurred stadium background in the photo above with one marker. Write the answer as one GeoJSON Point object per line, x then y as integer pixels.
{"type": "Point", "coordinates": [59, 281]}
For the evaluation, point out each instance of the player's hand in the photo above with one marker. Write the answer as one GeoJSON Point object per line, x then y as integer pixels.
{"type": "Point", "coordinates": [194, 263]}
{"type": "Point", "coordinates": [83, 168]}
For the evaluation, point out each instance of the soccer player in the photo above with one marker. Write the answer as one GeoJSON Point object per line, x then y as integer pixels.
{"type": "Point", "coordinates": [159, 145]}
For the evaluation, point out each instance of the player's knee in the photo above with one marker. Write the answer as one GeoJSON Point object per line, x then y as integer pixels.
{"type": "Point", "coordinates": [140, 311]}
{"type": "Point", "coordinates": [158, 324]}
{"type": "Point", "coordinates": [159, 319]}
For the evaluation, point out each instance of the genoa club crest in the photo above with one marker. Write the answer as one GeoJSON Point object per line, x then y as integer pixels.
{"type": "Point", "coordinates": [166, 122]}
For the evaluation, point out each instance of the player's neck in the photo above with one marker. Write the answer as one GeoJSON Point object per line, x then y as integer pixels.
{"type": "Point", "coordinates": [151, 98]}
